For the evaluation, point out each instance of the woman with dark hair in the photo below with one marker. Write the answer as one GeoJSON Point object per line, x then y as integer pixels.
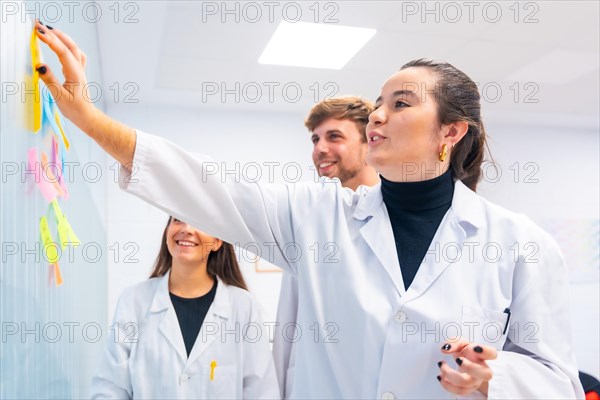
{"type": "Point", "coordinates": [182, 333]}
{"type": "Point", "coordinates": [414, 288]}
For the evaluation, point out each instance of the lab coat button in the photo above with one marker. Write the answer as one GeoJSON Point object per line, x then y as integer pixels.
{"type": "Point", "coordinates": [183, 378]}
{"type": "Point", "coordinates": [400, 317]}
{"type": "Point", "coordinates": [388, 396]}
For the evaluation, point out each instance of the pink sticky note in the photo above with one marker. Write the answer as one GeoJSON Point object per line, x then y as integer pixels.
{"type": "Point", "coordinates": [47, 189]}
{"type": "Point", "coordinates": [48, 174]}
{"type": "Point", "coordinates": [62, 186]}
{"type": "Point", "coordinates": [54, 149]}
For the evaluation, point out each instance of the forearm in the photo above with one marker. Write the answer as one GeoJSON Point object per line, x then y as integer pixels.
{"type": "Point", "coordinates": [115, 138]}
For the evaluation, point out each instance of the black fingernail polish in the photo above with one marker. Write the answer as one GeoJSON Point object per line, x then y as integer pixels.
{"type": "Point", "coordinates": [439, 378]}
{"type": "Point", "coordinates": [42, 70]}
{"type": "Point", "coordinates": [40, 21]}
{"type": "Point", "coordinates": [478, 349]}
{"type": "Point", "coordinates": [49, 27]}
{"type": "Point", "coordinates": [440, 364]}
{"type": "Point", "coordinates": [459, 361]}
{"type": "Point", "coordinates": [41, 31]}
{"type": "Point", "coordinates": [446, 347]}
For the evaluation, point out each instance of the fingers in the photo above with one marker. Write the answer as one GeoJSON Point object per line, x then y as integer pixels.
{"type": "Point", "coordinates": [49, 37]}
{"type": "Point", "coordinates": [456, 389]}
{"type": "Point", "coordinates": [71, 45]}
{"type": "Point", "coordinates": [473, 351]}
{"type": "Point", "coordinates": [472, 370]}
{"type": "Point", "coordinates": [53, 85]}
{"type": "Point", "coordinates": [70, 62]}
{"type": "Point", "coordinates": [71, 96]}
{"type": "Point", "coordinates": [479, 371]}
{"type": "Point", "coordinates": [454, 345]}
{"type": "Point", "coordinates": [468, 378]}
{"type": "Point", "coordinates": [477, 352]}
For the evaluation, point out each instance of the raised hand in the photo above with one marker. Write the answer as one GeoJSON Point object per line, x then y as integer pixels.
{"type": "Point", "coordinates": [71, 96]}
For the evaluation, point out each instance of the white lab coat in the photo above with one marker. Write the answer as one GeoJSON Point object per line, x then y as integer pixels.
{"type": "Point", "coordinates": [362, 334]}
{"type": "Point", "coordinates": [145, 357]}
{"type": "Point", "coordinates": [284, 336]}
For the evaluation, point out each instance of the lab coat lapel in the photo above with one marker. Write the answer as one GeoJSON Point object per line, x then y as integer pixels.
{"type": "Point", "coordinates": [448, 239]}
{"type": "Point", "coordinates": [214, 323]}
{"type": "Point", "coordinates": [169, 325]}
{"type": "Point", "coordinates": [460, 222]}
{"type": "Point", "coordinates": [378, 234]}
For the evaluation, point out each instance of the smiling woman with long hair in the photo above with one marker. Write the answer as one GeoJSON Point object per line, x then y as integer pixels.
{"type": "Point", "coordinates": [220, 263]}
{"type": "Point", "coordinates": [170, 332]}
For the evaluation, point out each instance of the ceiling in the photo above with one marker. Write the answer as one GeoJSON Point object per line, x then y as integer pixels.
{"type": "Point", "coordinates": [533, 60]}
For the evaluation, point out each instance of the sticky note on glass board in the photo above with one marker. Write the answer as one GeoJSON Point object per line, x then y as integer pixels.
{"type": "Point", "coordinates": [49, 176]}
{"type": "Point", "coordinates": [49, 248]}
{"type": "Point", "coordinates": [51, 116]}
{"type": "Point", "coordinates": [58, 279]}
{"type": "Point", "coordinates": [62, 131]}
{"type": "Point", "coordinates": [32, 84]}
{"type": "Point", "coordinates": [65, 232]}
{"type": "Point", "coordinates": [47, 188]}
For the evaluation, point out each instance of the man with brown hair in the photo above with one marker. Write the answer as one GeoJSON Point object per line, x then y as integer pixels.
{"type": "Point", "coordinates": [340, 141]}
{"type": "Point", "coordinates": [339, 149]}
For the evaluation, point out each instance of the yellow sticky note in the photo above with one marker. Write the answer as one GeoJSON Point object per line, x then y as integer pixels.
{"type": "Point", "coordinates": [70, 233]}
{"type": "Point", "coordinates": [57, 274]}
{"type": "Point", "coordinates": [62, 132]}
{"type": "Point", "coordinates": [63, 234]}
{"type": "Point", "coordinates": [50, 249]}
{"type": "Point", "coordinates": [45, 234]}
{"type": "Point", "coordinates": [57, 210]}
{"type": "Point", "coordinates": [34, 82]}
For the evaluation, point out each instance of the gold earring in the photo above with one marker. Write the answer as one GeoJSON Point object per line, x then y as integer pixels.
{"type": "Point", "coordinates": [444, 152]}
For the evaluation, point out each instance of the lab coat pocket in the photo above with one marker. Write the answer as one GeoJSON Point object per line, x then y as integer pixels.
{"type": "Point", "coordinates": [484, 326]}
{"type": "Point", "coordinates": [223, 384]}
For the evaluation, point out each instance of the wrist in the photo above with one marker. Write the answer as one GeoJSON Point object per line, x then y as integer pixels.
{"type": "Point", "coordinates": [483, 388]}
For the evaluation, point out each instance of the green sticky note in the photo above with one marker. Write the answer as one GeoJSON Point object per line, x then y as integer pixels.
{"type": "Point", "coordinates": [72, 237]}
{"type": "Point", "coordinates": [50, 248]}
{"type": "Point", "coordinates": [63, 233]}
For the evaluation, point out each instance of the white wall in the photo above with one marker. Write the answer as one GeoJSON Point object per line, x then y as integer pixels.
{"type": "Point", "coordinates": [563, 160]}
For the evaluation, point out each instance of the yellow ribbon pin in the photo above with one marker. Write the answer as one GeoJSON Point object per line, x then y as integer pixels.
{"type": "Point", "coordinates": [213, 365]}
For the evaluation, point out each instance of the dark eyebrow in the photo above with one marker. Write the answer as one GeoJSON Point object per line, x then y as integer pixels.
{"type": "Point", "coordinates": [409, 93]}
{"type": "Point", "coordinates": [397, 93]}
{"type": "Point", "coordinates": [329, 132]}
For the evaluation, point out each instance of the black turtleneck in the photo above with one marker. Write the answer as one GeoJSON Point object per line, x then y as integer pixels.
{"type": "Point", "coordinates": [416, 210]}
